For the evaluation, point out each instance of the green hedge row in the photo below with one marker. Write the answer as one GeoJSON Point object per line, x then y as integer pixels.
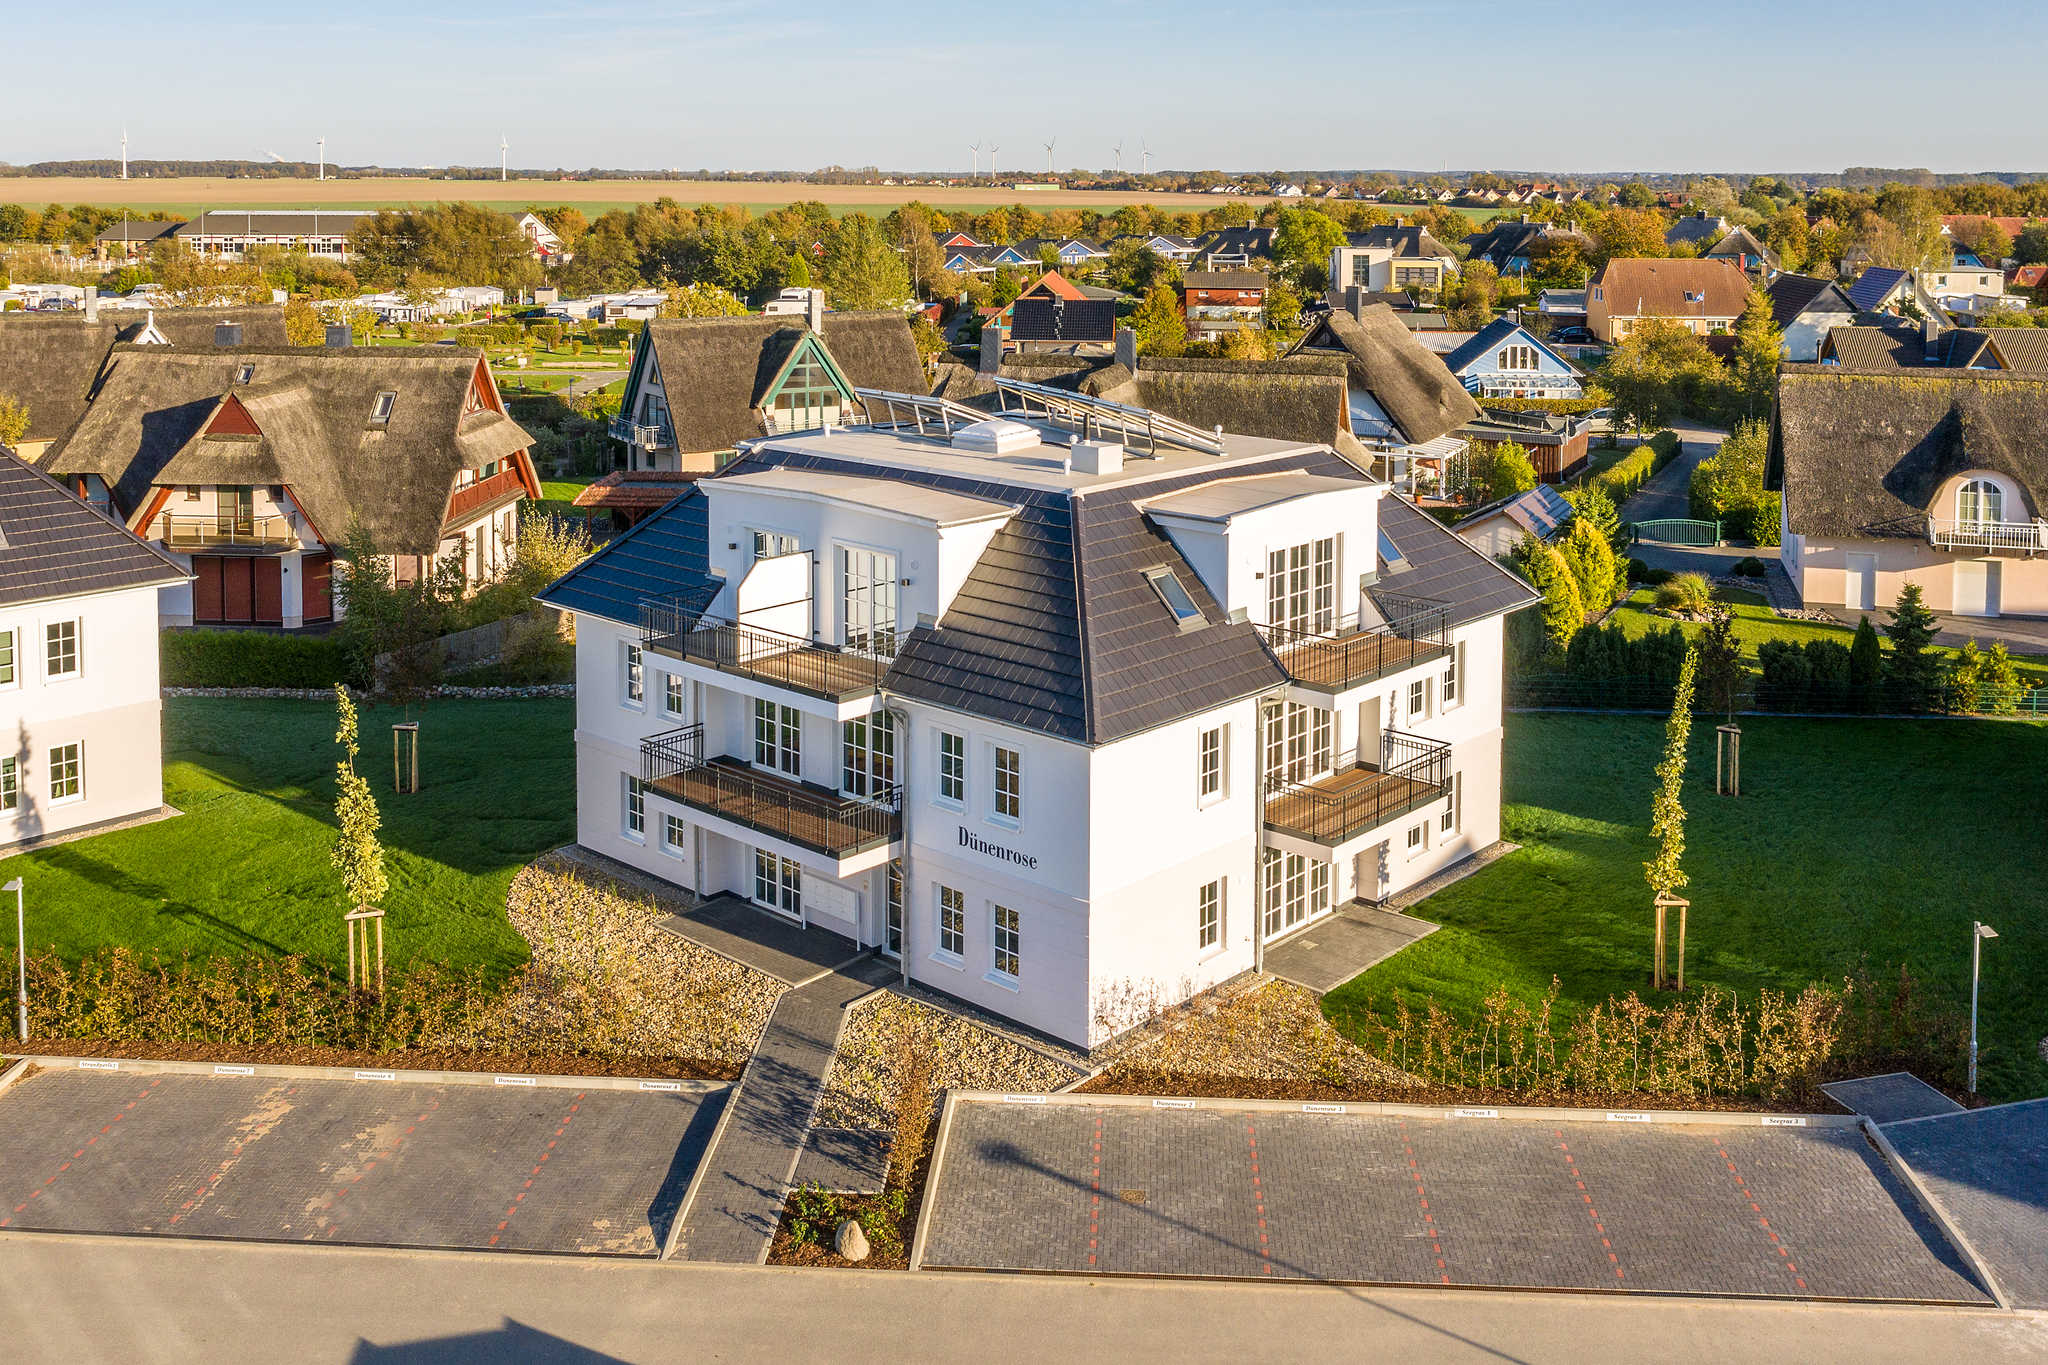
{"type": "Point", "coordinates": [238, 658]}
{"type": "Point", "coordinates": [1564, 407]}
{"type": "Point", "coordinates": [1625, 476]}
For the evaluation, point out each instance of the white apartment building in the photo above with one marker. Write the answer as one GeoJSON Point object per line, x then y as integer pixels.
{"type": "Point", "coordinates": [1072, 728]}
{"type": "Point", "coordinates": [80, 730]}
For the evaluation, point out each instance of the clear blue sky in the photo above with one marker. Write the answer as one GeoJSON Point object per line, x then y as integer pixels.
{"type": "Point", "coordinates": [1589, 85]}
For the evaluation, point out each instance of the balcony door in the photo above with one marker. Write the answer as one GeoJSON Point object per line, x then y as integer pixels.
{"type": "Point", "coordinates": [867, 756]}
{"type": "Point", "coordinates": [868, 599]}
{"type": "Point", "coordinates": [234, 512]}
{"type": "Point", "coordinates": [1301, 587]}
{"type": "Point", "coordinates": [778, 884]}
{"type": "Point", "coordinates": [778, 738]}
{"type": "Point", "coordinates": [1980, 503]}
{"type": "Point", "coordinates": [1298, 744]}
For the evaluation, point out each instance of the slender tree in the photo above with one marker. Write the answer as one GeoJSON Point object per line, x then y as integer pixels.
{"type": "Point", "coordinates": [1664, 872]}
{"type": "Point", "coordinates": [1759, 346]}
{"type": "Point", "coordinates": [357, 855]}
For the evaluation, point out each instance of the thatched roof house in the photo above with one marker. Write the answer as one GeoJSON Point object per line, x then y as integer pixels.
{"type": "Point", "coordinates": [1402, 393]}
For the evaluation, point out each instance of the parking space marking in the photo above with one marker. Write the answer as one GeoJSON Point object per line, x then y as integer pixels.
{"type": "Point", "coordinates": [1436, 1244]}
{"type": "Point", "coordinates": [538, 1166]}
{"type": "Point", "coordinates": [1784, 1255]}
{"type": "Point", "coordinates": [1251, 1135]}
{"type": "Point", "coordinates": [1579, 1179]}
{"type": "Point", "coordinates": [105, 1129]}
{"type": "Point", "coordinates": [1095, 1195]}
{"type": "Point", "coordinates": [326, 1206]}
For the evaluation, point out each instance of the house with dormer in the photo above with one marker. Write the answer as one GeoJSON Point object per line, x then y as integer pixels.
{"type": "Point", "coordinates": [252, 466]}
{"type": "Point", "coordinates": [1504, 359]}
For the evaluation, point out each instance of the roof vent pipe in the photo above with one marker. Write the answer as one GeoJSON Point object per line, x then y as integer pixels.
{"type": "Point", "coordinates": [339, 336]}
{"type": "Point", "coordinates": [92, 303]}
{"type": "Point", "coordinates": [227, 334]}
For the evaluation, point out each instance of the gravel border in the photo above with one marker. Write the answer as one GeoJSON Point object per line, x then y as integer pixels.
{"type": "Point", "coordinates": [1273, 1031]}
{"type": "Point", "coordinates": [864, 1079]}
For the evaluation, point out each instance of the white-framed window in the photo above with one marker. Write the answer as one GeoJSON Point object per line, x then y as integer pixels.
{"type": "Point", "coordinates": [10, 785]}
{"type": "Point", "coordinates": [1418, 839]}
{"type": "Point", "coordinates": [892, 910]}
{"type": "Point", "coordinates": [1453, 816]}
{"type": "Point", "coordinates": [867, 580]}
{"type": "Point", "coordinates": [766, 544]}
{"type": "Point", "coordinates": [1301, 587]}
{"type": "Point", "coordinates": [778, 738]}
{"type": "Point", "coordinates": [67, 773]}
{"type": "Point", "coordinates": [635, 818]}
{"type": "Point", "coordinates": [1209, 915]}
{"type": "Point", "coordinates": [1009, 784]}
{"type": "Point", "coordinates": [952, 907]}
{"type": "Point", "coordinates": [60, 650]}
{"type": "Point", "coordinates": [635, 690]}
{"type": "Point", "coordinates": [675, 836]}
{"type": "Point", "coordinates": [952, 768]}
{"type": "Point", "coordinates": [10, 670]}
{"type": "Point", "coordinates": [1007, 943]}
{"type": "Point", "coordinates": [1517, 357]}
{"type": "Point", "coordinates": [380, 409]}
{"type": "Point", "coordinates": [1299, 743]}
{"type": "Point", "coordinates": [1980, 501]}
{"type": "Point", "coordinates": [672, 694]}
{"type": "Point", "coordinates": [867, 755]}
{"type": "Point", "coordinates": [1448, 691]}
{"type": "Point", "coordinates": [1211, 762]}
{"type": "Point", "coordinates": [1418, 699]}
{"type": "Point", "coordinates": [778, 883]}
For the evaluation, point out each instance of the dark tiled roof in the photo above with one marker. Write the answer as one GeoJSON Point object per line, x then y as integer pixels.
{"type": "Point", "coordinates": [52, 544]}
{"type": "Point", "coordinates": [1696, 227]}
{"type": "Point", "coordinates": [1792, 295]}
{"type": "Point", "coordinates": [1443, 568]}
{"type": "Point", "coordinates": [1492, 335]}
{"type": "Point", "coordinates": [666, 553]}
{"type": "Point", "coordinates": [1895, 344]}
{"type": "Point", "coordinates": [257, 223]}
{"type": "Point", "coordinates": [1224, 279]}
{"type": "Point", "coordinates": [1870, 288]}
{"type": "Point", "coordinates": [1408, 242]}
{"type": "Point", "coordinates": [1505, 240]}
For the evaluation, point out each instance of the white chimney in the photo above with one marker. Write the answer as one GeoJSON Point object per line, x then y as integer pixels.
{"type": "Point", "coordinates": [814, 309]}
{"type": "Point", "coordinates": [92, 303]}
{"type": "Point", "coordinates": [1098, 457]}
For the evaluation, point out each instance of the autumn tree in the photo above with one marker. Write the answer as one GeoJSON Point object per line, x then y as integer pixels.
{"type": "Point", "coordinates": [1759, 346]}
{"type": "Point", "coordinates": [1158, 326]}
{"type": "Point", "coordinates": [1625, 234]}
{"type": "Point", "coordinates": [1302, 244]}
{"type": "Point", "coordinates": [1500, 471]}
{"type": "Point", "coordinates": [356, 855]}
{"type": "Point", "coordinates": [1665, 871]}
{"type": "Point", "coordinates": [13, 422]}
{"type": "Point", "coordinates": [1658, 371]}
{"type": "Point", "coordinates": [861, 268]}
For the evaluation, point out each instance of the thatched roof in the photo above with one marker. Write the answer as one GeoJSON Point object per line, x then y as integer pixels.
{"type": "Point", "coordinates": [1864, 455]}
{"type": "Point", "coordinates": [50, 364]}
{"type": "Point", "coordinates": [1411, 384]}
{"type": "Point", "coordinates": [716, 370]}
{"type": "Point", "coordinates": [311, 408]}
{"type": "Point", "coordinates": [262, 324]}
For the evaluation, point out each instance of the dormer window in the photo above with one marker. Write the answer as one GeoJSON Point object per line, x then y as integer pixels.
{"type": "Point", "coordinates": [1175, 595]}
{"type": "Point", "coordinates": [380, 411]}
{"type": "Point", "coordinates": [245, 373]}
{"type": "Point", "coordinates": [1980, 502]}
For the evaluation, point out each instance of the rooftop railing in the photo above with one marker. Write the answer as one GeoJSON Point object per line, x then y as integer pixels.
{"type": "Point", "coordinates": [646, 436]}
{"type": "Point", "coordinates": [2011, 537]}
{"type": "Point", "coordinates": [198, 531]}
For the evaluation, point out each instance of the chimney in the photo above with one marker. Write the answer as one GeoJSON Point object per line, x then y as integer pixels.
{"type": "Point", "coordinates": [92, 303]}
{"type": "Point", "coordinates": [339, 336]}
{"type": "Point", "coordinates": [991, 348]}
{"type": "Point", "coordinates": [814, 309]}
{"type": "Point", "coordinates": [227, 334]}
{"type": "Point", "coordinates": [1127, 348]}
{"type": "Point", "coordinates": [1097, 457]}
{"type": "Point", "coordinates": [1930, 341]}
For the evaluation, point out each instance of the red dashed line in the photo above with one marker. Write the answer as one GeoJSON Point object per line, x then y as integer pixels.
{"type": "Point", "coordinates": [1436, 1245]}
{"type": "Point", "coordinates": [1095, 1195]}
{"type": "Point", "coordinates": [105, 1128]}
{"type": "Point", "coordinates": [1606, 1244]}
{"type": "Point", "coordinates": [227, 1163]}
{"type": "Point", "coordinates": [520, 1197]}
{"type": "Point", "coordinates": [327, 1205]}
{"type": "Point", "coordinates": [1251, 1136]}
{"type": "Point", "coordinates": [1784, 1256]}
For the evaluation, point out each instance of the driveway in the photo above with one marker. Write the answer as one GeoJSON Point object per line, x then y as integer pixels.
{"type": "Point", "coordinates": [364, 1162]}
{"type": "Point", "coordinates": [1504, 1199]}
{"type": "Point", "coordinates": [1668, 494]}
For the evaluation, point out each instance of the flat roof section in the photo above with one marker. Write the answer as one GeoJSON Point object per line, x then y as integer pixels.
{"type": "Point", "coordinates": [1227, 498]}
{"type": "Point", "coordinates": [882, 495]}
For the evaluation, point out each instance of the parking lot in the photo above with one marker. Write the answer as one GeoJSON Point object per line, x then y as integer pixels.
{"type": "Point", "coordinates": [516, 1167]}
{"type": "Point", "coordinates": [1504, 1201]}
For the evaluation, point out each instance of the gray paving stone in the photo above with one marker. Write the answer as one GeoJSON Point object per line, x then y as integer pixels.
{"type": "Point", "coordinates": [1330, 952]}
{"type": "Point", "coordinates": [1889, 1098]}
{"type": "Point", "coordinates": [1988, 1168]}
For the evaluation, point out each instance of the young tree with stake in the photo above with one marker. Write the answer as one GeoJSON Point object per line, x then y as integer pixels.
{"type": "Point", "coordinates": [357, 855]}
{"type": "Point", "coordinates": [1667, 819]}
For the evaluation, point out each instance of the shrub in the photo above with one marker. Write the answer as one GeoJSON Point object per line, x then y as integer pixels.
{"type": "Point", "coordinates": [1749, 566]}
{"type": "Point", "coordinates": [1685, 592]}
{"type": "Point", "coordinates": [1564, 610]}
{"type": "Point", "coordinates": [535, 651]}
{"type": "Point", "coordinates": [1591, 560]}
{"type": "Point", "coordinates": [1814, 676]}
{"type": "Point", "coordinates": [237, 658]}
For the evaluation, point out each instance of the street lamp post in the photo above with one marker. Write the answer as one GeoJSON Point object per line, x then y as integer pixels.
{"type": "Point", "coordinates": [1978, 933]}
{"type": "Point", "coordinates": [20, 962]}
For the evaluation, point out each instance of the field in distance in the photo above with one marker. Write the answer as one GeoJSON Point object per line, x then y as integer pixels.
{"type": "Point", "coordinates": [187, 195]}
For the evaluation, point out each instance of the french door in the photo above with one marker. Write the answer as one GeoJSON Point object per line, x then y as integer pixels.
{"type": "Point", "coordinates": [1301, 587]}
{"type": "Point", "coordinates": [868, 596]}
{"type": "Point", "coordinates": [234, 511]}
{"type": "Point", "coordinates": [778, 738]}
{"type": "Point", "coordinates": [867, 756]}
{"type": "Point", "coordinates": [778, 884]}
{"type": "Point", "coordinates": [1297, 890]}
{"type": "Point", "coordinates": [892, 915]}
{"type": "Point", "coordinates": [1298, 744]}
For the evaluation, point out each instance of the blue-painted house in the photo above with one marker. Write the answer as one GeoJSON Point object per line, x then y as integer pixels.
{"type": "Point", "coordinates": [1506, 360]}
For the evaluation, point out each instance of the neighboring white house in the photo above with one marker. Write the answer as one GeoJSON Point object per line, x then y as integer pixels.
{"type": "Point", "coordinates": [1495, 529]}
{"type": "Point", "coordinates": [1072, 732]}
{"type": "Point", "coordinates": [547, 244]}
{"type": "Point", "coordinates": [1506, 360]}
{"type": "Point", "coordinates": [1396, 256]}
{"type": "Point", "coordinates": [80, 725]}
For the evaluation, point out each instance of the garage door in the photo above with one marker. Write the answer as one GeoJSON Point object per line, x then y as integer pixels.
{"type": "Point", "coordinates": [237, 592]}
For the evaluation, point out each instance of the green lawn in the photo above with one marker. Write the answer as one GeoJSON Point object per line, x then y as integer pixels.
{"type": "Point", "coordinates": [1871, 840]}
{"type": "Point", "coordinates": [246, 866]}
{"type": "Point", "coordinates": [558, 497]}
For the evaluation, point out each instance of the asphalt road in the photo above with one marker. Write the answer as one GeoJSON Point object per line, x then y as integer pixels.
{"type": "Point", "coordinates": [93, 1299]}
{"type": "Point", "coordinates": [1669, 493]}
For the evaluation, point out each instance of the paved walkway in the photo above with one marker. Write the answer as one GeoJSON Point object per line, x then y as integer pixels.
{"type": "Point", "coordinates": [1329, 953]}
{"type": "Point", "coordinates": [794, 954]}
{"type": "Point", "coordinates": [1891, 1097]}
{"type": "Point", "coordinates": [1668, 495]}
{"type": "Point", "coordinates": [748, 1171]}
{"type": "Point", "coordinates": [1988, 1169]}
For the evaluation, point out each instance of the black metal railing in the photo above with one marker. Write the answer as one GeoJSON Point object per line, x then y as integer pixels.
{"type": "Point", "coordinates": [1357, 796]}
{"type": "Point", "coordinates": [674, 764]}
{"type": "Point", "coordinates": [676, 626]}
{"type": "Point", "coordinates": [1416, 630]}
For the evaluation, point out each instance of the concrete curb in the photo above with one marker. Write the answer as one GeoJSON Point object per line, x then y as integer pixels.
{"type": "Point", "coordinates": [153, 1067]}
{"type": "Point", "coordinates": [1932, 1207]}
{"type": "Point", "coordinates": [14, 1073]}
{"type": "Point", "coordinates": [934, 1169]}
{"type": "Point", "coordinates": [1382, 1109]}
{"type": "Point", "coordinates": [675, 1227]}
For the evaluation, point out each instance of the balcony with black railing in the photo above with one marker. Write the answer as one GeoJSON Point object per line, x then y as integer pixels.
{"type": "Point", "coordinates": [1356, 797]}
{"type": "Point", "coordinates": [1414, 630]}
{"type": "Point", "coordinates": [676, 626]}
{"type": "Point", "coordinates": [673, 764]}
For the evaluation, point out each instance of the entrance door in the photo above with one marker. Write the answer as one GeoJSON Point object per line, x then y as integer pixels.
{"type": "Point", "coordinates": [778, 884]}
{"type": "Point", "coordinates": [1977, 587]}
{"type": "Point", "coordinates": [1859, 585]}
{"type": "Point", "coordinates": [317, 587]}
{"type": "Point", "coordinates": [235, 513]}
{"type": "Point", "coordinates": [892, 914]}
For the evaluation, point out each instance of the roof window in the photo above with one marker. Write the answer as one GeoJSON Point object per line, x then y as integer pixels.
{"type": "Point", "coordinates": [245, 373]}
{"type": "Point", "coordinates": [1176, 597]}
{"type": "Point", "coordinates": [380, 411]}
{"type": "Point", "coordinates": [1391, 558]}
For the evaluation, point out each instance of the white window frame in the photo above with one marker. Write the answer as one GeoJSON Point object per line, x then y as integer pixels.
{"type": "Point", "coordinates": [674, 696]}
{"type": "Point", "coordinates": [761, 542]}
{"type": "Point", "coordinates": [1448, 694]}
{"type": "Point", "coordinates": [867, 755]}
{"type": "Point", "coordinates": [868, 597]}
{"type": "Point", "coordinates": [1418, 699]}
{"type": "Point", "coordinates": [76, 650]}
{"type": "Point", "coordinates": [949, 912]}
{"type": "Point", "coordinates": [1212, 765]}
{"type": "Point", "coordinates": [1209, 915]}
{"type": "Point", "coordinates": [783, 745]}
{"type": "Point", "coordinates": [633, 809]}
{"type": "Point", "coordinates": [1013, 817]}
{"type": "Point", "coordinates": [633, 677]}
{"type": "Point", "coordinates": [10, 786]}
{"type": "Point", "coordinates": [998, 974]}
{"type": "Point", "coordinates": [675, 835]}
{"type": "Point", "coordinates": [1452, 820]}
{"type": "Point", "coordinates": [1417, 842]}
{"type": "Point", "coordinates": [784, 878]}
{"type": "Point", "coordinates": [75, 764]}
{"type": "Point", "coordinates": [952, 759]}
{"type": "Point", "coordinates": [10, 641]}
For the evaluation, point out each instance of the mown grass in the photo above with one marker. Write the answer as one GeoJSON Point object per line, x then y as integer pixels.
{"type": "Point", "coordinates": [1864, 842]}
{"type": "Point", "coordinates": [245, 868]}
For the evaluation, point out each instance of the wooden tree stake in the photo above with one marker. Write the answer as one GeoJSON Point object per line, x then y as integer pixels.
{"type": "Point", "coordinates": [1728, 760]}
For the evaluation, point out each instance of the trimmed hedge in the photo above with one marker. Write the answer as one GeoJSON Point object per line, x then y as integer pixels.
{"type": "Point", "coordinates": [1625, 476]}
{"type": "Point", "coordinates": [239, 658]}
{"type": "Point", "coordinates": [1563, 407]}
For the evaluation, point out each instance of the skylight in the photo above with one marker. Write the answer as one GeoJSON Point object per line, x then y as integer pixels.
{"type": "Point", "coordinates": [245, 374]}
{"type": "Point", "coordinates": [1391, 558]}
{"type": "Point", "coordinates": [1172, 592]}
{"type": "Point", "coordinates": [380, 411]}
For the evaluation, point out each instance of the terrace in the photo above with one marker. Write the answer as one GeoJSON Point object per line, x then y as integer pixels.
{"type": "Point", "coordinates": [190, 532]}
{"type": "Point", "coordinates": [1415, 631]}
{"type": "Point", "coordinates": [1998, 537]}
{"type": "Point", "coordinates": [672, 626]}
{"type": "Point", "coordinates": [1357, 797]}
{"type": "Point", "coordinates": [673, 764]}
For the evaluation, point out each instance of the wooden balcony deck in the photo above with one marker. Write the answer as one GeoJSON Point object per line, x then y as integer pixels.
{"type": "Point", "coordinates": [1342, 661]}
{"type": "Point", "coordinates": [834, 825]}
{"type": "Point", "coordinates": [1345, 804]}
{"type": "Point", "coordinates": [802, 667]}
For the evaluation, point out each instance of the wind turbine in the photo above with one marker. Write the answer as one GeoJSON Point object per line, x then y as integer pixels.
{"type": "Point", "coordinates": [323, 158]}
{"type": "Point", "coordinates": [502, 146]}
{"type": "Point", "coordinates": [124, 153]}
{"type": "Point", "coordinates": [992, 150]}
{"type": "Point", "coordinates": [1119, 158]}
{"type": "Point", "coordinates": [1146, 151]}
{"type": "Point", "coordinates": [975, 147]}
{"type": "Point", "coordinates": [1048, 157]}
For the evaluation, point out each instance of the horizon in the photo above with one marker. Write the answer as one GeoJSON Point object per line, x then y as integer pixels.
{"type": "Point", "coordinates": [839, 98]}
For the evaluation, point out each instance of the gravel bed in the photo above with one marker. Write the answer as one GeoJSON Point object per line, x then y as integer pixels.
{"type": "Point", "coordinates": [861, 1087]}
{"type": "Point", "coordinates": [604, 978]}
{"type": "Point", "coordinates": [1276, 1033]}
